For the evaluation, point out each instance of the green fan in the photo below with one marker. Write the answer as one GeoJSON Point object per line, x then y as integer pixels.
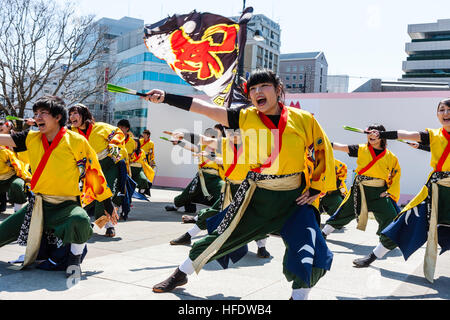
{"type": "Point", "coordinates": [9, 118]}
{"type": "Point", "coordinates": [118, 89]}
{"type": "Point", "coordinates": [355, 129]}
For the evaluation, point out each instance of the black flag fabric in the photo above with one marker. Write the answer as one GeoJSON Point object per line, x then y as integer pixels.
{"type": "Point", "coordinates": [204, 50]}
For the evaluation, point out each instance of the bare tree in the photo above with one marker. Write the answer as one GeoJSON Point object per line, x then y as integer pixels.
{"type": "Point", "coordinates": [45, 48]}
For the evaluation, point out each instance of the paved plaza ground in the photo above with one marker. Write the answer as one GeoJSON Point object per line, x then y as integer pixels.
{"type": "Point", "coordinates": [126, 267]}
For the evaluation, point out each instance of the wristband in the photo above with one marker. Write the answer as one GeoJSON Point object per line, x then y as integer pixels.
{"type": "Point", "coordinates": [390, 135]}
{"type": "Point", "coordinates": [181, 102]}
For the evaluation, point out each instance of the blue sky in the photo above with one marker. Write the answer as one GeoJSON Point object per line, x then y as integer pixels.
{"type": "Point", "coordinates": [363, 39]}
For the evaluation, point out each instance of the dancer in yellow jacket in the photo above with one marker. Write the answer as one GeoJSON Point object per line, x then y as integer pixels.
{"type": "Point", "coordinates": [15, 172]}
{"type": "Point", "coordinates": [431, 204]}
{"type": "Point", "coordinates": [60, 160]}
{"type": "Point", "coordinates": [376, 188]}
{"type": "Point", "coordinates": [141, 172]}
{"type": "Point", "coordinates": [273, 192]}
{"type": "Point", "coordinates": [107, 141]}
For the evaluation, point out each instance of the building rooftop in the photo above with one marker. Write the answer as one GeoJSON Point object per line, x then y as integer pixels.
{"type": "Point", "coordinates": [300, 55]}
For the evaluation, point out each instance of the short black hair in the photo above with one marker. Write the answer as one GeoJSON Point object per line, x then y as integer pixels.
{"type": "Point", "coordinates": [265, 75]}
{"type": "Point", "coordinates": [53, 104]}
{"type": "Point", "coordinates": [124, 123]}
{"type": "Point", "coordinates": [85, 113]}
{"type": "Point", "coordinates": [445, 102]}
{"type": "Point", "coordinates": [379, 127]}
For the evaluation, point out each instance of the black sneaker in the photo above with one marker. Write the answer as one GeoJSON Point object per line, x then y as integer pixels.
{"type": "Point", "coordinates": [178, 278]}
{"type": "Point", "coordinates": [73, 265]}
{"type": "Point", "coordinates": [185, 239]}
{"type": "Point", "coordinates": [263, 253]}
{"type": "Point", "coordinates": [366, 261]}
{"type": "Point", "coordinates": [171, 208]}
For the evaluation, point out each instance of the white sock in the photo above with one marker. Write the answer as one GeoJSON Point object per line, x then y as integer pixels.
{"type": "Point", "coordinates": [17, 207]}
{"type": "Point", "coordinates": [300, 294]}
{"type": "Point", "coordinates": [77, 249]}
{"type": "Point", "coordinates": [261, 243]}
{"type": "Point", "coordinates": [327, 229]}
{"type": "Point", "coordinates": [187, 267]}
{"type": "Point", "coordinates": [109, 225]}
{"type": "Point", "coordinates": [196, 218]}
{"type": "Point", "coordinates": [194, 231]}
{"type": "Point", "coordinates": [380, 251]}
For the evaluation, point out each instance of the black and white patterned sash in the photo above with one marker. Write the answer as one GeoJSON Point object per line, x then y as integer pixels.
{"type": "Point", "coordinates": [194, 184]}
{"type": "Point", "coordinates": [357, 192]}
{"type": "Point", "coordinates": [239, 197]}
{"type": "Point", "coordinates": [25, 228]}
{"type": "Point", "coordinates": [435, 177]}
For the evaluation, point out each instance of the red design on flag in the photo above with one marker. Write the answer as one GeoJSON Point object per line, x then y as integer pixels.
{"type": "Point", "coordinates": [201, 56]}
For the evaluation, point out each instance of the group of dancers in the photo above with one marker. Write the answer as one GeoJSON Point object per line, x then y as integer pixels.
{"type": "Point", "coordinates": [264, 169]}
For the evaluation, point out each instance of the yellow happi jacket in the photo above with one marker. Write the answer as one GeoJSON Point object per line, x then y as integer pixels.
{"type": "Point", "coordinates": [233, 169]}
{"type": "Point", "coordinates": [438, 143]}
{"type": "Point", "coordinates": [149, 148]}
{"type": "Point", "coordinates": [386, 168]}
{"type": "Point", "coordinates": [10, 165]}
{"type": "Point", "coordinates": [61, 175]}
{"type": "Point", "coordinates": [205, 163]}
{"type": "Point", "coordinates": [341, 174]}
{"type": "Point", "coordinates": [101, 134]}
{"type": "Point", "coordinates": [130, 144]}
{"type": "Point", "coordinates": [140, 158]}
{"type": "Point", "coordinates": [303, 138]}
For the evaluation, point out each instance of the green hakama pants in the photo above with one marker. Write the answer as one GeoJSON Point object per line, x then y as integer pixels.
{"type": "Point", "coordinates": [68, 221]}
{"type": "Point", "coordinates": [383, 210]}
{"type": "Point", "coordinates": [266, 213]}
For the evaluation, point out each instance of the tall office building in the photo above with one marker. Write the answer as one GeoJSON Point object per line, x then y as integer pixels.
{"type": "Point", "coordinates": [131, 65]}
{"type": "Point", "coordinates": [428, 52]}
{"type": "Point", "coordinates": [304, 72]}
{"type": "Point", "coordinates": [262, 54]}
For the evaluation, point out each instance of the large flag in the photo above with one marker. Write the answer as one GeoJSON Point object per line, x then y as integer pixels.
{"type": "Point", "coordinates": [203, 49]}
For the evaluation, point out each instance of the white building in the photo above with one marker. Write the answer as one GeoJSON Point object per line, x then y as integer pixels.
{"type": "Point", "coordinates": [428, 52]}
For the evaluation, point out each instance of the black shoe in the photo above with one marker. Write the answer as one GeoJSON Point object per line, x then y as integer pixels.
{"type": "Point", "coordinates": [182, 240]}
{"type": "Point", "coordinates": [73, 265]}
{"type": "Point", "coordinates": [147, 192]}
{"type": "Point", "coordinates": [366, 261]}
{"type": "Point", "coordinates": [171, 208]}
{"type": "Point", "coordinates": [263, 253]}
{"type": "Point", "coordinates": [178, 278]}
{"type": "Point", "coordinates": [110, 232]}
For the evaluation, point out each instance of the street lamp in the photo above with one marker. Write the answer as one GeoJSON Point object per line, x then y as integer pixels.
{"type": "Point", "coordinates": [257, 36]}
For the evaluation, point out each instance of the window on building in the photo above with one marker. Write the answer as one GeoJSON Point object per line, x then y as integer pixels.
{"type": "Point", "coordinates": [294, 77]}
